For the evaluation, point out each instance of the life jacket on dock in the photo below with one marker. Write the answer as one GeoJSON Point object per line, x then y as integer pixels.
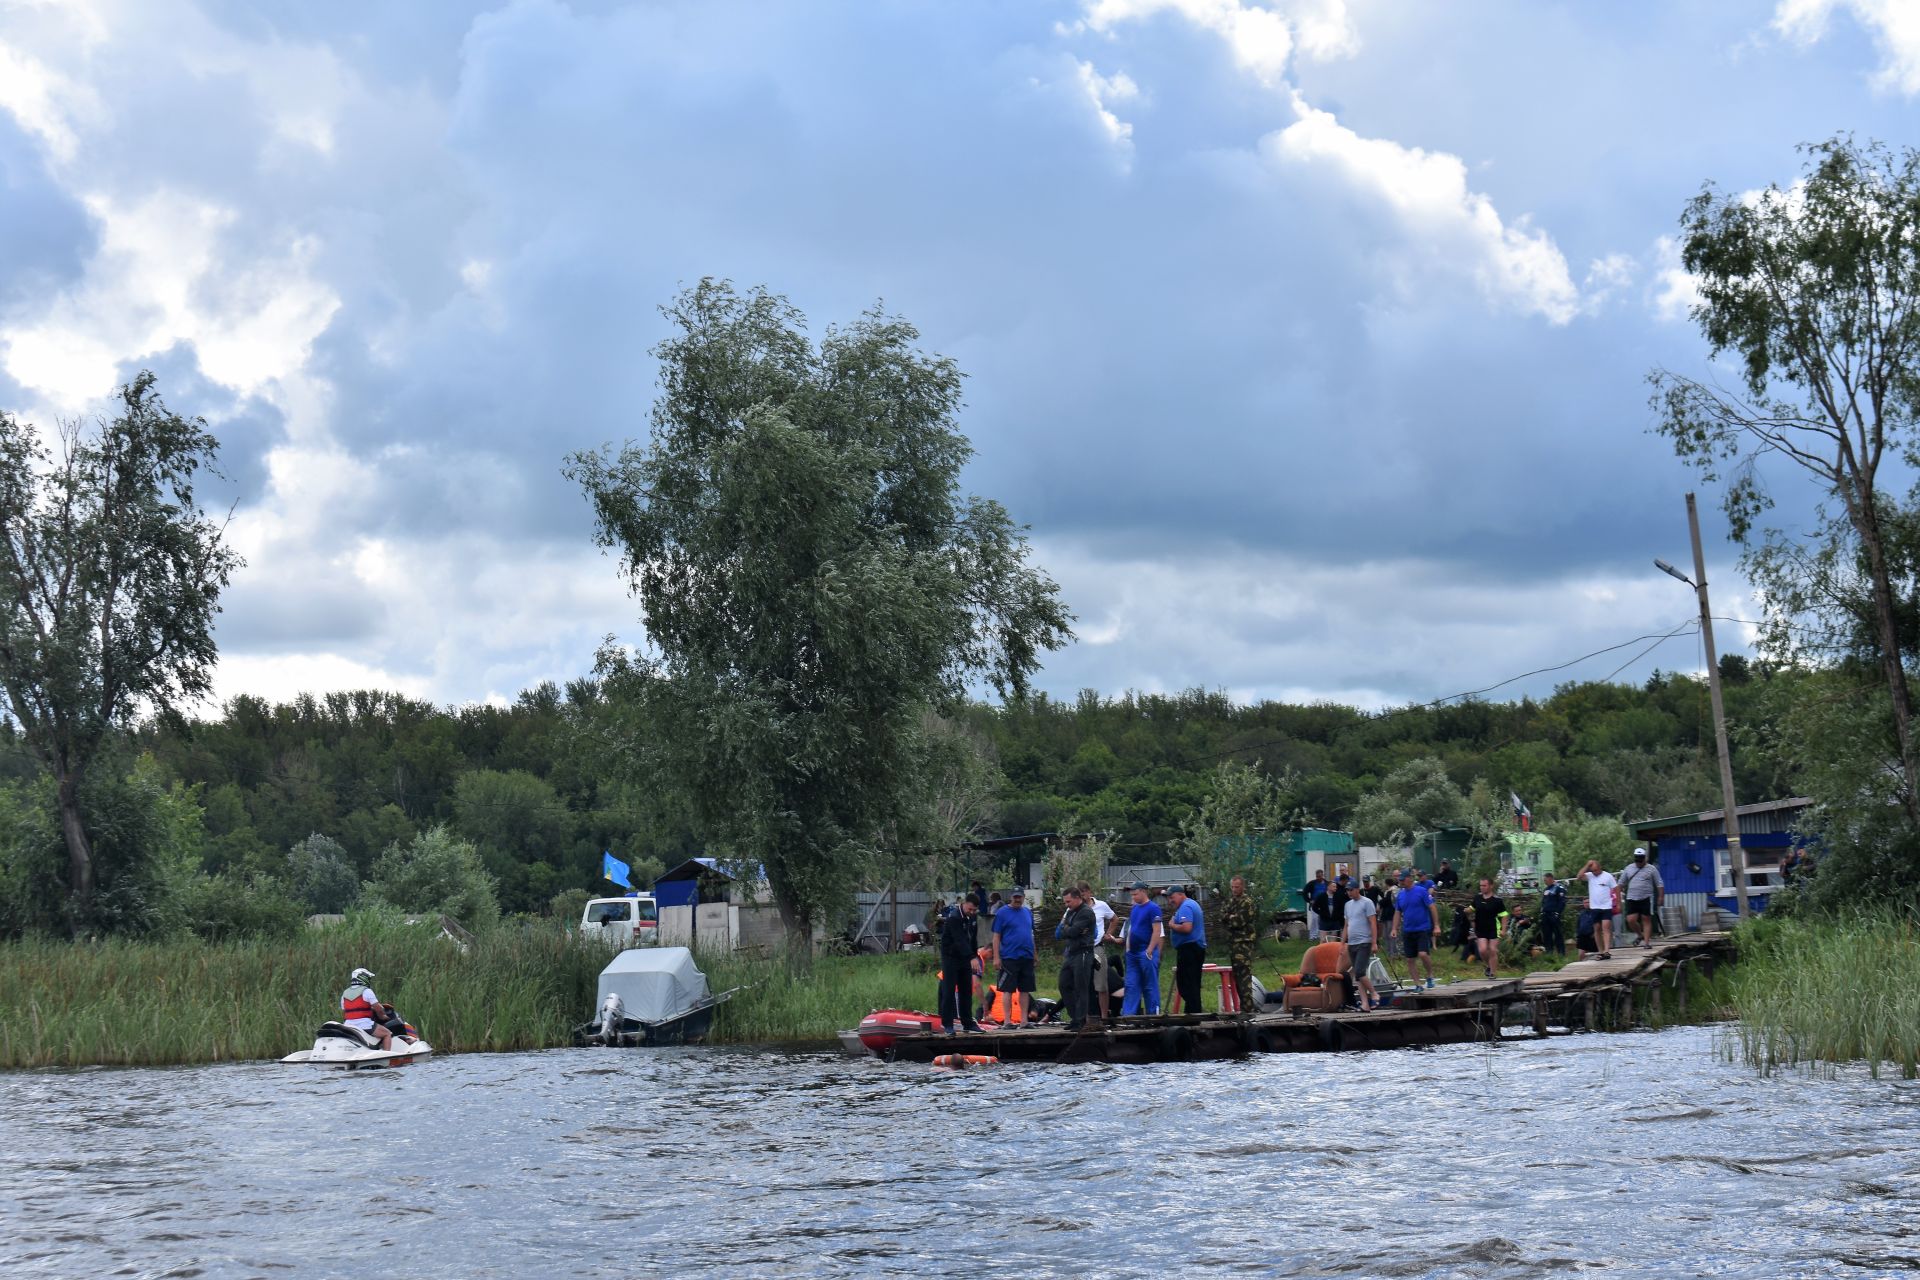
{"type": "Point", "coordinates": [1008, 1009]}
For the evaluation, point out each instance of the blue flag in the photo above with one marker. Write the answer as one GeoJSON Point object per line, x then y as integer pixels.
{"type": "Point", "coordinates": [615, 870]}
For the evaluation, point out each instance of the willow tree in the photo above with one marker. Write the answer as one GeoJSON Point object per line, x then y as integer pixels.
{"type": "Point", "coordinates": [1813, 290]}
{"type": "Point", "coordinates": [812, 580]}
{"type": "Point", "coordinates": [110, 578]}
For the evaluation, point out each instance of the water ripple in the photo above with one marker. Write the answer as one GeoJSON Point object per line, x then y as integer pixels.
{"type": "Point", "coordinates": [1649, 1154]}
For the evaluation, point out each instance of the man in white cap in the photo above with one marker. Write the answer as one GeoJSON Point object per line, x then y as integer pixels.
{"type": "Point", "coordinates": [1643, 891]}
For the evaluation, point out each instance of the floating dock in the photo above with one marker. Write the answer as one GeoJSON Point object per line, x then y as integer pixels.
{"type": "Point", "coordinates": [1587, 994]}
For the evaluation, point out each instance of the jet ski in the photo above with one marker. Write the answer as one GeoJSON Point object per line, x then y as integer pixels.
{"type": "Point", "coordinates": [338, 1045]}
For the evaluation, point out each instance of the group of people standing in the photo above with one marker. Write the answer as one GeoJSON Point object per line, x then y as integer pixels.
{"type": "Point", "coordinates": [1107, 954]}
{"type": "Point", "coordinates": [1091, 978]}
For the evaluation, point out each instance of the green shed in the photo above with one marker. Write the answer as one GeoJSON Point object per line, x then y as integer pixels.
{"type": "Point", "coordinates": [1293, 849]}
{"type": "Point", "coordinates": [1447, 844]}
{"type": "Point", "coordinates": [1529, 853]}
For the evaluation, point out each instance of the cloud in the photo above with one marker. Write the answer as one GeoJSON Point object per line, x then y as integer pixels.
{"type": "Point", "coordinates": [158, 279]}
{"type": "Point", "coordinates": [1676, 291]}
{"type": "Point", "coordinates": [1102, 92]}
{"type": "Point", "coordinates": [1448, 225]}
{"type": "Point", "coordinates": [1259, 39]}
{"type": "Point", "coordinates": [46, 103]}
{"type": "Point", "coordinates": [1379, 633]}
{"type": "Point", "coordinates": [1893, 24]}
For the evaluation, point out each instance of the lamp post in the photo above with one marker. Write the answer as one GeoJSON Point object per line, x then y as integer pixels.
{"type": "Point", "coordinates": [1736, 856]}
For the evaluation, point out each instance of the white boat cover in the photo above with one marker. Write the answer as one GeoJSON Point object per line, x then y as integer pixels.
{"type": "Point", "coordinates": [655, 982]}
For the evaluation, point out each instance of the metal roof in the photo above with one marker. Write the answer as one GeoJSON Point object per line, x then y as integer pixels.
{"type": "Point", "coordinates": [1766, 812]}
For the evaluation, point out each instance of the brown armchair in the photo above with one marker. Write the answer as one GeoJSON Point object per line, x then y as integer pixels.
{"type": "Point", "coordinates": [1329, 962]}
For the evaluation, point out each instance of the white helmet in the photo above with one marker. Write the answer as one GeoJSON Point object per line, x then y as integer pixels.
{"type": "Point", "coordinates": [362, 976]}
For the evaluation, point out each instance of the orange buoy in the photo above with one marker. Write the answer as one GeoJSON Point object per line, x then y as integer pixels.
{"type": "Point", "coordinates": [964, 1060]}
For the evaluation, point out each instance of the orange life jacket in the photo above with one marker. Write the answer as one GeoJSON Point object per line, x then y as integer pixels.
{"type": "Point", "coordinates": [354, 1004]}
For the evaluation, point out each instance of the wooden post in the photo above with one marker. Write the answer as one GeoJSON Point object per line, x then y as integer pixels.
{"type": "Point", "coordinates": [1736, 856]}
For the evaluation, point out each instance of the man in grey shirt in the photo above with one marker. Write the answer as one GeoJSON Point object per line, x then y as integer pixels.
{"type": "Point", "coordinates": [1362, 922]}
{"type": "Point", "coordinates": [1642, 889]}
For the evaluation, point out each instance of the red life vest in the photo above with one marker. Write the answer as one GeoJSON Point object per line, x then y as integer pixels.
{"type": "Point", "coordinates": [354, 1004]}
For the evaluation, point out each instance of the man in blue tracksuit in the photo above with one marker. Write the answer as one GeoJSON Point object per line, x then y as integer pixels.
{"type": "Point", "coordinates": [1145, 936]}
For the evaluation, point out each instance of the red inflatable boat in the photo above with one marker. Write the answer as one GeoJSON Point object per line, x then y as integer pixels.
{"type": "Point", "coordinates": [878, 1029]}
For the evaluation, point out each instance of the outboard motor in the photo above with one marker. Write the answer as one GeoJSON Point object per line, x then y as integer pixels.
{"type": "Point", "coordinates": [613, 1017]}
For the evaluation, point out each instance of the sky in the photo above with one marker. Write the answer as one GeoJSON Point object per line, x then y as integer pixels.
{"type": "Point", "coordinates": [1309, 337]}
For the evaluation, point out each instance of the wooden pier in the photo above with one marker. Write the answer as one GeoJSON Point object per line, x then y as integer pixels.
{"type": "Point", "coordinates": [1601, 995]}
{"type": "Point", "coordinates": [1587, 994]}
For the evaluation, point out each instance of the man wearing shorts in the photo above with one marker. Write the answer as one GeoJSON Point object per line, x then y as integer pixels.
{"type": "Point", "coordinates": [1363, 934]}
{"type": "Point", "coordinates": [1413, 921]}
{"type": "Point", "coordinates": [1600, 886]}
{"type": "Point", "coordinates": [1488, 907]}
{"type": "Point", "coordinates": [1641, 886]}
{"type": "Point", "coordinates": [1013, 949]}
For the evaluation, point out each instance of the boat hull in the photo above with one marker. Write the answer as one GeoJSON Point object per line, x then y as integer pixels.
{"type": "Point", "coordinates": [690, 1027]}
{"type": "Point", "coordinates": [346, 1056]}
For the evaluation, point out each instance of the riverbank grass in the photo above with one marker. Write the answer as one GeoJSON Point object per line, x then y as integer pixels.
{"type": "Point", "coordinates": [121, 1003]}
{"type": "Point", "coordinates": [1824, 991]}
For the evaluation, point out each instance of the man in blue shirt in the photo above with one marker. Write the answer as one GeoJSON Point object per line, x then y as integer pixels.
{"type": "Point", "coordinates": [1144, 938]}
{"type": "Point", "coordinates": [1013, 949]}
{"type": "Point", "coordinates": [1189, 930]}
{"type": "Point", "coordinates": [1413, 921]}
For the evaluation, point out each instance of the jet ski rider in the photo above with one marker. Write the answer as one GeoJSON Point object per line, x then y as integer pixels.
{"type": "Point", "coordinates": [362, 1010]}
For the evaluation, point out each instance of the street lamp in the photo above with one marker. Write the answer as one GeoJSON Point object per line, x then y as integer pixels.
{"type": "Point", "coordinates": [1736, 856]}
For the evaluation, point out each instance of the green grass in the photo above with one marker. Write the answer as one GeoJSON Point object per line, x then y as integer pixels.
{"type": "Point", "coordinates": [144, 1003]}
{"type": "Point", "coordinates": [1823, 991]}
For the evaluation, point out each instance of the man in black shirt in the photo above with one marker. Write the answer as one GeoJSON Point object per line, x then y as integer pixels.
{"type": "Point", "coordinates": [957, 938]}
{"type": "Point", "coordinates": [1446, 877]}
{"type": "Point", "coordinates": [1487, 910]}
{"type": "Point", "coordinates": [1078, 935]}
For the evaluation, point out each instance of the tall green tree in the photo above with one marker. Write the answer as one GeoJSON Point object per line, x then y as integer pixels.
{"type": "Point", "coordinates": [1813, 290]}
{"type": "Point", "coordinates": [110, 577]}
{"type": "Point", "coordinates": [1240, 829]}
{"type": "Point", "coordinates": [812, 580]}
{"type": "Point", "coordinates": [1418, 796]}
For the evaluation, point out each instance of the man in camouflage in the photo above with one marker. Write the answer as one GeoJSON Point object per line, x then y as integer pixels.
{"type": "Point", "coordinates": [1241, 920]}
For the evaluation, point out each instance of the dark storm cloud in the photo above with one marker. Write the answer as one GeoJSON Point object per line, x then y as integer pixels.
{"type": "Point", "coordinates": [44, 232]}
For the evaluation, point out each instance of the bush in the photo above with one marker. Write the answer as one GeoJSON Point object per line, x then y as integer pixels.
{"type": "Point", "coordinates": [567, 905]}
{"type": "Point", "coordinates": [321, 876]}
{"type": "Point", "coordinates": [221, 906]}
{"type": "Point", "coordinates": [436, 873]}
{"type": "Point", "coordinates": [138, 829]}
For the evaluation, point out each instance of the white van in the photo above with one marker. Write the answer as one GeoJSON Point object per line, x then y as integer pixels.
{"type": "Point", "coordinates": [623, 922]}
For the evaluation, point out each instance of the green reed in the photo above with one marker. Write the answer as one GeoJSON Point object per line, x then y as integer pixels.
{"type": "Point", "coordinates": [150, 1003]}
{"type": "Point", "coordinates": [1827, 990]}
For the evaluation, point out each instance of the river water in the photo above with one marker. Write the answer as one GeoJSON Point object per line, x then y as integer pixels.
{"type": "Point", "coordinates": [1646, 1153]}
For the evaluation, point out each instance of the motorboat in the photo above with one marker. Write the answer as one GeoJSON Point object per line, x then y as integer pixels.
{"type": "Point", "coordinates": [652, 996]}
{"type": "Point", "coordinates": [338, 1045]}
